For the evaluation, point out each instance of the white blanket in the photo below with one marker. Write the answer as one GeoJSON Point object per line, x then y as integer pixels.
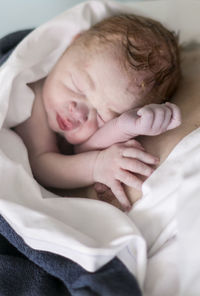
{"type": "Point", "coordinates": [91, 232]}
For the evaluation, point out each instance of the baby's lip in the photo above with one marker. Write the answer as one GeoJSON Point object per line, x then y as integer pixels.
{"type": "Point", "coordinates": [66, 124]}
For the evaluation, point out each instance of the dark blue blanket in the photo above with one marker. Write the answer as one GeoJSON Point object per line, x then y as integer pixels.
{"type": "Point", "coordinates": [25, 271]}
{"type": "Point", "coordinates": [9, 42]}
{"type": "Point", "coordinates": [28, 272]}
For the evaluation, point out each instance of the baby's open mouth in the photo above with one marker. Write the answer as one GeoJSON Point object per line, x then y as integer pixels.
{"type": "Point", "coordinates": [66, 124]}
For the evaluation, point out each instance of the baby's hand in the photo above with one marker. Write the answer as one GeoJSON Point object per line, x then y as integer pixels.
{"type": "Point", "coordinates": [152, 119]}
{"type": "Point", "coordinates": [116, 165]}
{"type": "Point", "coordinates": [104, 193]}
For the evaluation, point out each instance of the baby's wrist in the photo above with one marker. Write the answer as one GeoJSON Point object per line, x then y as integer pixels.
{"type": "Point", "coordinates": [95, 169]}
{"type": "Point", "coordinates": [125, 130]}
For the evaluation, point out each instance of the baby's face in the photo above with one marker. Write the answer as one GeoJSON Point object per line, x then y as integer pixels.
{"type": "Point", "coordinates": [83, 91]}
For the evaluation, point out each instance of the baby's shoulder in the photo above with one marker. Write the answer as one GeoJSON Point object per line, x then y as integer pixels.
{"type": "Point", "coordinates": [37, 87]}
{"type": "Point", "coordinates": [38, 112]}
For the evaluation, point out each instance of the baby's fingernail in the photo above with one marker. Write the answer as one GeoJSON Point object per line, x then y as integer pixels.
{"type": "Point", "coordinates": [157, 160]}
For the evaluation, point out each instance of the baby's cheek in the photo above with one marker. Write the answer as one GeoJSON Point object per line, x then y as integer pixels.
{"type": "Point", "coordinates": [92, 126]}
{"type": "Point", "coordinates": [83, 133]}
{"type": "Point", "coordinates": [88, 130]}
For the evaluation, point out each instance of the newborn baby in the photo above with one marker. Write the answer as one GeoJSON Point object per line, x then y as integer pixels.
{"type": "Point", "coordinates": [94, 98]}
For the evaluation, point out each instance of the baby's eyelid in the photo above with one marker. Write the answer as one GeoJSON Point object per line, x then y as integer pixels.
{"type": "Point", "coordinates": [75, 86]}
{"type": "Point", "coordinates": [100, 120]}
{"type": "Point", "coordinates": [76, 89]}
{"type": "Point", "coordinates": [99, 115]}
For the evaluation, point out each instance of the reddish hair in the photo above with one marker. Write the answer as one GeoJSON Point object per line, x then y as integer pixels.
{"type": "Point", "coordinates": [144, 47]}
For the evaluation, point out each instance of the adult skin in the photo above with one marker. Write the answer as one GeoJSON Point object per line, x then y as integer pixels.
{"type": "Point", "coordinates": [188, 100]}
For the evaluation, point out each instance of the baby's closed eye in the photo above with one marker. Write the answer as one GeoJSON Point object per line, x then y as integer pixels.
{"type": "Point", "coordinates": [100, 120]}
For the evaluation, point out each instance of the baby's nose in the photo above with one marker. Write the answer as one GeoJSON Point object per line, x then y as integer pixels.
{"type": "Point", "coordinates": [79, 111]}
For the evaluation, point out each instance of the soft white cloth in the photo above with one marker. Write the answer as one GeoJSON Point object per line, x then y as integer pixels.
{"type": "Point", "coordinates": [87, 231]}
{"type": "Point", "coordinates": [169, 208]}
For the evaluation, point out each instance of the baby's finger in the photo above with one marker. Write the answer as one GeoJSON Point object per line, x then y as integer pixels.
{"type": "Point", "coordinates": [129, 179]}
{"type": "Point", "coordinates": [176, 115]}
{"type": "Point", "coordinates": [134, 143]}
{"type": "Point", "coordinates": [146, 116]}
{"type": "Point", "coordinates": [136, 166]}
{"type": "Point", "coordinates": [119, 193]}
{"type": "Point", "coordinates": [140, 155]}
{"type": "Point", "coordinates": [166, 119]}
{"type": "Point", "coordinates": [159, 116]}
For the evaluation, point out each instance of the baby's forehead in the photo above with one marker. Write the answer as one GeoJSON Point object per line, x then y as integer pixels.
{"type": "Point", "coordinates": [119, 87]}
{"type": "Point", "coordinates": [124, 97]}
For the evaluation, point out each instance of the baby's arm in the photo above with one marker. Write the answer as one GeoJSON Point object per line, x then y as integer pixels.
{"type": "Point", "coordinates": [104, 137]}
{"type": "Point", "coordinates": [112, 166]}
{"type": "Point", "coordinates": [151, 120]}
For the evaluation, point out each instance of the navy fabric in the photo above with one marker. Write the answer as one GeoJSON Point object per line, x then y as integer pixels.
{"type": "Point", "coordinates": [9, 42]}
{"type": "Point", "coordinates": [29, 272]}
{"type": "Point", "coordinates": [25, 271]}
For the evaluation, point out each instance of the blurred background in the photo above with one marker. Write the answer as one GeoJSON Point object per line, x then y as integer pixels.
{"type": "Point", "coordinates": [23, 14]}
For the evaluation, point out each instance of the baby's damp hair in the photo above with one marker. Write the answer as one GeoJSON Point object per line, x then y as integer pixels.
{"type": "Point", "coordinates": [145, 46]}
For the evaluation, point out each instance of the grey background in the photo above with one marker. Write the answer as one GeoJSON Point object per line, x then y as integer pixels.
{"type": "Point", "coordinates": [23, 14]}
